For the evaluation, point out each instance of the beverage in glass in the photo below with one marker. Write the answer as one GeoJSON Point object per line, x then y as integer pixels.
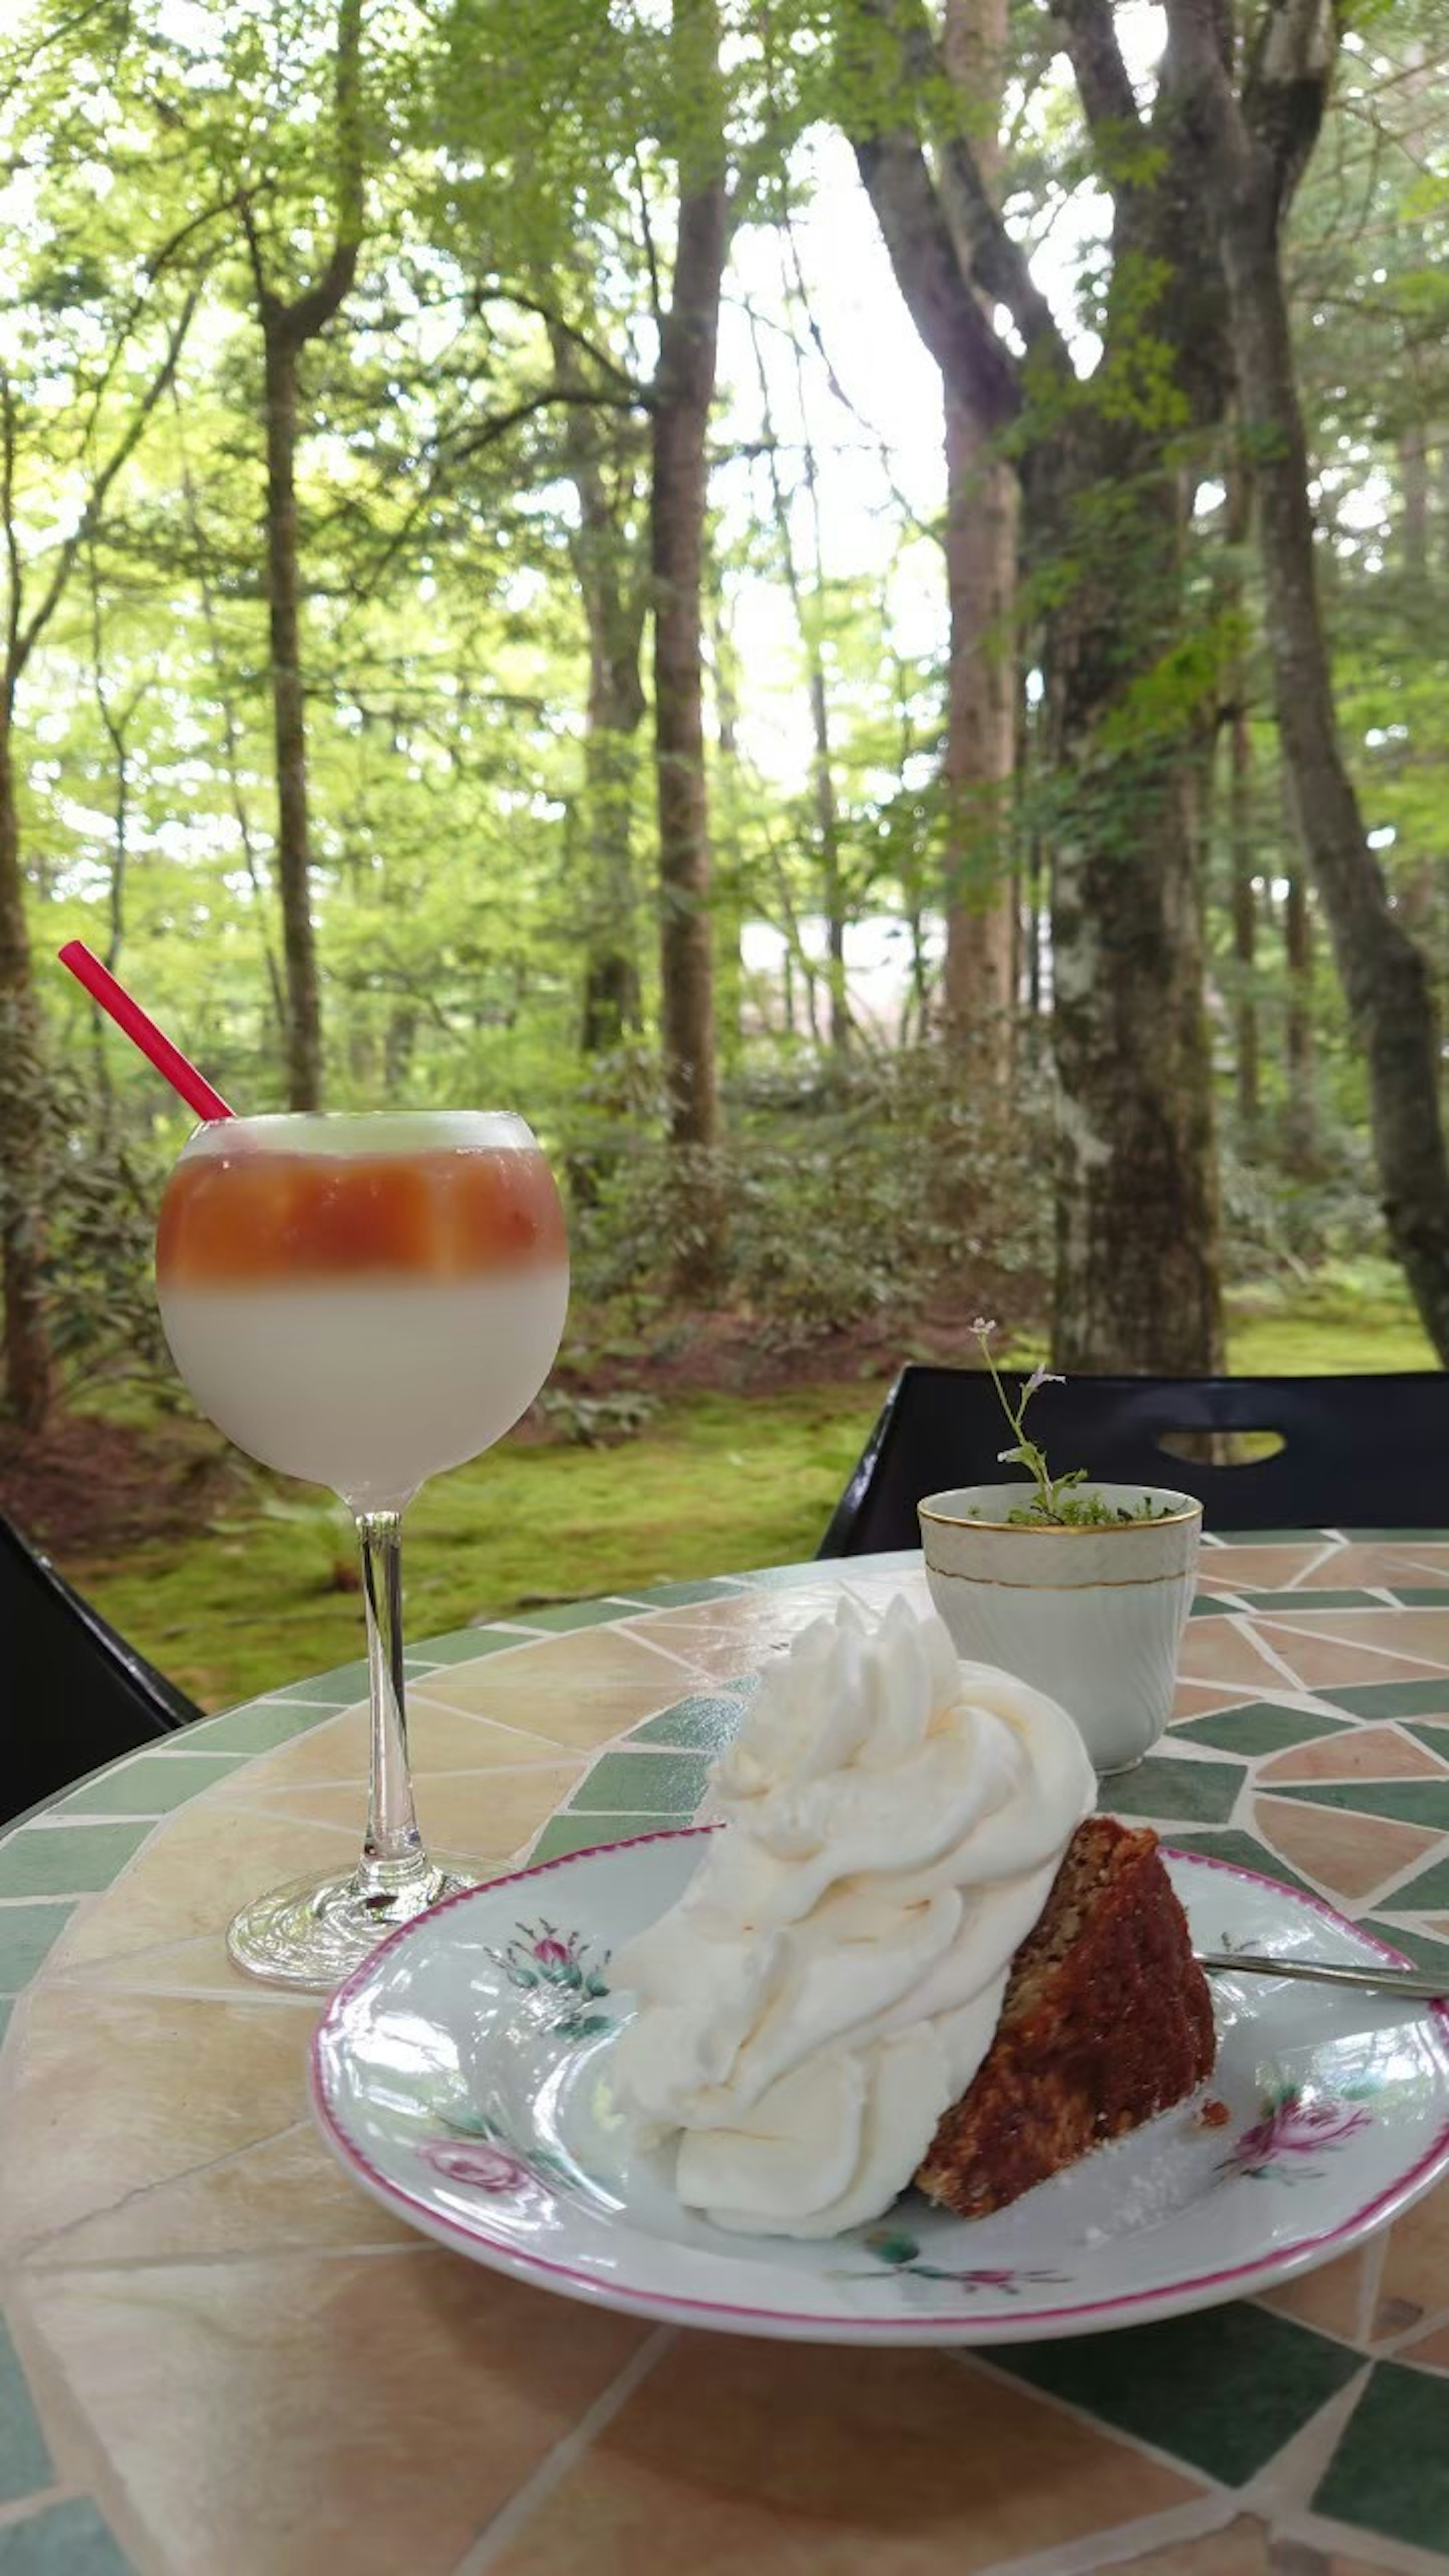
{"type": "Point", "coordinates": [362, 1301]}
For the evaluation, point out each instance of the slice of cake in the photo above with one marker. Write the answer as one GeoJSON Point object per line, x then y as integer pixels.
{"type": "Point", "coordinates": [1106, 2020]}
{"type": "Point", "coordinates": [906, 1954]}
{"type": "Point", "coordinates": [829, 1981]}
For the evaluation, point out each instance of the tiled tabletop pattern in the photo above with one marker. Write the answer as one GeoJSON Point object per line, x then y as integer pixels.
{"type": "Point", "coordinates": [219, 2359]}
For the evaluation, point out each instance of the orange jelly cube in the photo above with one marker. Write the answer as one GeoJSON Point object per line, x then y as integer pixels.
{"type": "Point", "coordinates": [233, 1217]}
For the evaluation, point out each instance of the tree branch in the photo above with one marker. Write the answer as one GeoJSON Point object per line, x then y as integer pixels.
{"type": "Point", "coordinates": [12, 540]}
{"type": "Point", "coordinates": [28, 635]}
{"type": "Point", "coordinates": [998, 267]}
{"type": "Point", "coordinates": [155, 268]}
{"type": "Point", "coordinates": [1089, 34]}
{"type": "Point", "coordinates": [1286, 87]}
{"type": "Point", "coordinates": [998, 264]}
{"type": "Point", "coordinates": [651, 256]}
{"type": "Point", "coordinates": [883, 448]}
{"type": "Point", "coordinates": [246, 210]}
{"type": "Point", "coordinates": [554, 320]}
{"type": "Point", "coordinates": [448, 454]}
{"type": "Point", "coordinates": [229, 731]}
{"type": "Point", "coordinates": [24, 64]}
{"type": "Point", "coordinates": [939, 297]}
{"type": "Point", "coordinates": [588, 397]}
{"type": "Point", "coordinates": [1201, 79]}
{"type": "Point", "coordinates": [310, 312]}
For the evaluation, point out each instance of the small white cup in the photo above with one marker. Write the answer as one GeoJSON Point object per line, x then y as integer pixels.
{"type": "Point", "coordinates": [1092, 1616]}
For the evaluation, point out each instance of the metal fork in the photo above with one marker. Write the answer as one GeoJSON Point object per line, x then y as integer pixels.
{"type": "Point", "coordinates": [1420, 1982]}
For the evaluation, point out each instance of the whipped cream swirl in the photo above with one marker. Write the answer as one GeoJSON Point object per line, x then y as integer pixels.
{"type": "Point", "coordinates": [832, 1977]}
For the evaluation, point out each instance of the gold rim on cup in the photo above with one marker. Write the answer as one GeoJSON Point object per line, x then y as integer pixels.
{"type": "Point", "coordinates": [1063, 1529]}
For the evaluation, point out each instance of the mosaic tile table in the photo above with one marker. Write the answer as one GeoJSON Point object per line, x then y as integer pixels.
{"type": "Point", "coordinates": [220, 2360]}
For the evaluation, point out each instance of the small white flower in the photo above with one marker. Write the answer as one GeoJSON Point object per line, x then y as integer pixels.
{"type": "Point", "coordinates": [1042, 1376]}
{"type": "Point", "coordinates": [1009, 1457]}
{"type": "Point", "coordinates": [982, 1326]}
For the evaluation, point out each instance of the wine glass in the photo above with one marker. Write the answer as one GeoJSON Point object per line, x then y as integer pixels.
{"type": "Point", "coordinates": [363, 1301]}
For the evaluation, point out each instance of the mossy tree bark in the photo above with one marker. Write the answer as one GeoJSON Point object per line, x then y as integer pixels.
{"type": "Point", "coordinates": [978, 979]}
{"type": "Point", "coordinates": [287, 327]}
{"type": "Point", "coordinates": [602, 446]}
{"type": "Point", "coordinates": [1252, 143]}
{"type": "Point", "coordinates": [683, 394]}
{"type": "Point", "coordinates": [1137, 1281]}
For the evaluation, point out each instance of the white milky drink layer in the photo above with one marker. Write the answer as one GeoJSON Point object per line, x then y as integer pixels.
{"type": "Point", "coordinates": [368, 1386]}
{"type": "Point", "coordinates": [832, 1978]}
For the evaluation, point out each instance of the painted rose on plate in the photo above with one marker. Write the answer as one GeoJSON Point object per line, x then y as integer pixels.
{"type": "Point", "coordinates": [1282, 2145]}
{"type": "Point", "coordinates": [487, 2168]}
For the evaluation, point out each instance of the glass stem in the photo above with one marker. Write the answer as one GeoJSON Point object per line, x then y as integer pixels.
{"type": "Point", "coordinates": [392, 1852]}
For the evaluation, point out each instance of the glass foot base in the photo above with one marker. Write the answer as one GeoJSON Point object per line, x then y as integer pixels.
{"type": "Point", "coordinates": [314, 1932]}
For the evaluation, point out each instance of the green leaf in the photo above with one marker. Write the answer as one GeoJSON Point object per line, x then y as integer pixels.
{"type": "Point", "coordinates": [895, 2250]}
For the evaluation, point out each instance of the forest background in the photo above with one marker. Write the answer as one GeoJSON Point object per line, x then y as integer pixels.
{"type": "Point", "coordinates": [841, 600]}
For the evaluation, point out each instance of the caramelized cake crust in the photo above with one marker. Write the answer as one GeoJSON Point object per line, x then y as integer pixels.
{"type": "Point", "coordinates": [1106, 2020]}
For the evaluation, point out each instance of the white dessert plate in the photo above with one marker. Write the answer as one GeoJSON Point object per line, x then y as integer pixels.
{"type": "Point", "coordinates": [462, 2076]}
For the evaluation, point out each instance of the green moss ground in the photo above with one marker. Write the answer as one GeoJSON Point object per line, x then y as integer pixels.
{"type": "Point", "coordinates": [715, 1482]}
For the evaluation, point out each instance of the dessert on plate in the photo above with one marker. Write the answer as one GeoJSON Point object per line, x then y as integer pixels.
{"type": "Point", "coordinates": [913, 1953]}
{"type": "Point", "coordinates": [1106, 2020]}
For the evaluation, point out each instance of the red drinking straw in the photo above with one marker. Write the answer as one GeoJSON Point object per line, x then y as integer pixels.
{"type": "Point", "coordinates": [101, 984]}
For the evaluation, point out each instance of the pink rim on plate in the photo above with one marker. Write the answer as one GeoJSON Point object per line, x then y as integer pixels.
{"type": "Point", "coordinates": [977, 2324]}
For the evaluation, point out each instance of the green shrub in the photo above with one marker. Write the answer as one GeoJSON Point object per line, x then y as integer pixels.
{"type": "Point", "coordinates": [850, 1190]}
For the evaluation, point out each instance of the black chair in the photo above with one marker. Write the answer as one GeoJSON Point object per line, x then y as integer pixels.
{"type": "Point", "coordinates": [1366, 1452]}
{"type": "Point", "coordinates": [72, 1693]}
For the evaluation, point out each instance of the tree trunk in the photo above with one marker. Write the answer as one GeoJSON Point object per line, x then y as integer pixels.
{"type": "Point", "coordinates": [1245, 917]}
{"type": "Point", "coordinates": [678, 512]}
{"type": "Point", "coordinates": [27, 1342]}
{"type": "Point", "coordinates": [609, 574]}
{"type": "Point", "coordinates": [1138, 1273]}
{"type": "Point", "coordinates": [827, 834]}
{"type": "Point", "coordinates": [1414, 519]}
{"type": "Point", "coordinates": [1137, 1269]}
{"type": "Point", "coordinates": [797, 957]}
{"type": "Point", "coordinates": [116, 901]}
{"type": "Point", "coordinates": [1242, 893]}
{"type": "Point", "coordinates": [289, 726]}
{"type": "Point", "coordinates": [1137, 1280]}
{"type": "Point", "coordinates": [287, 329]}
{"type": "Point", "coordinates": [808, 620]}
{"type": "Point", "coordinates": [230, 731]}
{"type": "Point", "coordinates": [114, 724]}
{"type": "Point", "coordinates": [1251, 150]}
{"type": "Point", "coordinates": [1383, 974]}
{"type": "Point", "coordinates": [731, 800]}
{"type": "Point", "coordinates": [1301, 1122]}
{"type": "Point", "coordinates": [980, 739]}
{"type": "Point", "coordinates": [1035, 892]}
{"type": "Point", "coordinates": [1416, 885]}
{"type": "Point", "coordinates": [683, 393]}
{"type": "Point", "coordinates": [827, 812]}
{"type": "Point", "coordinates": [978, 983]}
{"type": "Point", "coordinates": [1038, 911]}
{"type": "Point", "coordinates": [398, 1044]}
{"type": "Point", "coordinates": [611, 964]}
{"type": "Point", "coordinates": [915, 1008]}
